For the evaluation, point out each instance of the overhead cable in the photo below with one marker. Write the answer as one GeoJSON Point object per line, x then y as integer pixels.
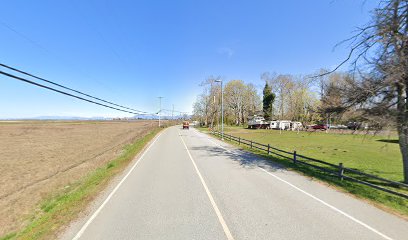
{"type": "Point", "coordinates": [67, 88]}
{"type": "Point", "coordinates": [68, 94]}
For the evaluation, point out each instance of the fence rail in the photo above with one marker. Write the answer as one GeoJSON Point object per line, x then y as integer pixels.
{"type": "Point", "coordinates": [343, 173]}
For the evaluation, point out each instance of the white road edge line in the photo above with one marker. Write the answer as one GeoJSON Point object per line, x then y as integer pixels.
{"type": "Point", "coordinates": [328, 205]}
{"type": "Point", "coordinates": [214, 205]}
{"type": "Point", "coordinates": [315, 198]}
{"type": "Point", "coordinates": [85, 226]}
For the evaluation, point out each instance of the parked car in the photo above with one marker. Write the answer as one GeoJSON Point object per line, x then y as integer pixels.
{"type": "Point", "coordinates": [353, 125]}
{"type": "Point", "coordinates": [320, 126]}
{"type": "Point", "coordinates": [309, 126]}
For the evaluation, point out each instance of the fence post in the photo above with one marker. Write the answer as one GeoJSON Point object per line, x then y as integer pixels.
{"type": "Point", "coordinates": [269, 148]}
{"type": "Point", "coordinates": [239, 140]}
{"type": "Point", "coordinates": [251, 143]}
{"type": "Point", "coordinates": [341, 171]}
{"type": "Point", "coordinates": [294, 157]}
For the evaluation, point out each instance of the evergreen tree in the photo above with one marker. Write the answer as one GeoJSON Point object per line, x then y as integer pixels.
{"type": "Point", "coordinates": [268, 98]}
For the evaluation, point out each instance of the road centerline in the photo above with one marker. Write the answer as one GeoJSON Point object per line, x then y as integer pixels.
{"type": "Point", "coordinates": [214, 205]}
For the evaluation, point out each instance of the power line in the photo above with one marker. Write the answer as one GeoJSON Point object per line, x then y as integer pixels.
{"type": "Point", "coordinates": [23, 36]}
{"type": "Point", "coordinates": [67, 88]}
{"type": "Point", "coordinates": [95, 27]}
{"type": "Point", "coordinates": [53, 54]}
{"type": "Point", "coordinates": [65, 93]}
{"type": "Point", "coordinates": [172, 110]}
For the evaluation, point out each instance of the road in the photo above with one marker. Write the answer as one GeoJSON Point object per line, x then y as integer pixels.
{"type": "Point", "coordinates": [188, 185]}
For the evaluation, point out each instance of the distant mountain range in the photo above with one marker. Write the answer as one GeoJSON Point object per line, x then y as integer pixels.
{"type": "Point", "coordinates": [75, 118]}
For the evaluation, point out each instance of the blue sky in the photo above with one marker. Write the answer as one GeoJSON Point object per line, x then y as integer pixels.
{"type": "Point", "coordinates": [131, 52]}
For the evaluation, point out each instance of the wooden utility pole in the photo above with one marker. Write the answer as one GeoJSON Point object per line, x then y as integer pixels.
{"type": "Point", "coordinates": [172, 113]}
{"type": "Point", "coordinates": [160, 98]}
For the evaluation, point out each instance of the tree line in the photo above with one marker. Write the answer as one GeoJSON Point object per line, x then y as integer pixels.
{"type": "Point", "coordinates": [375, 89]}
{"type": "Point", "coordinates": [240, 101]}
{"type": "Point", "coordinates": [284, 96]}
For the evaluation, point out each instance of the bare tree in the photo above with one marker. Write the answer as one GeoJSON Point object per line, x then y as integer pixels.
{"type": "Point", "coordinates": [201, 109]}
{"type": "Point", "coordinates": [234, 94]}
{"type": "Point", "coordinates": [240, 100]}
{"type": "Point", "coordinates": [332, 99]}
{"type": "Point", "coordinates": [207, 106]}
{"type": "Point", "coordinates": [280, 85]}
{"type": "Point", "coordinates": [253, 102]}
{"type": "Point", "coordinates": [294, 98]}
{"type": "Point", "coordinates": [379, 59]}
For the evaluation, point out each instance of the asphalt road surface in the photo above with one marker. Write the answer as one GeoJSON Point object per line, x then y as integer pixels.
{"type": "Point", "coordinates": [188, 185]}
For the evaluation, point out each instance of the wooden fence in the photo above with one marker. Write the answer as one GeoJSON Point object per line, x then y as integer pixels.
{"type": "Point", "coordinates": [339, 170]}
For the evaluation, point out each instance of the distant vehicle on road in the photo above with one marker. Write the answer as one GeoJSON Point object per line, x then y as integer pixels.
{"type": "Point", "coordinates": [320, 126]}
{"type": "Point", "coordinates": [186, 125]}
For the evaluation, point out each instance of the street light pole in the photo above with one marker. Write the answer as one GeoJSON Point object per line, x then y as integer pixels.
{"type": "Point", "coordinates": [160, 98]}
{"type": "Point", "coordinates": [222, 113]}
{"type": "Point", "coordinates": [222, 110]}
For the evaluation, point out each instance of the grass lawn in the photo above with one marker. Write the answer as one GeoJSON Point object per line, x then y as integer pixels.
{"type": "Point", "coordinates": [378, 155]}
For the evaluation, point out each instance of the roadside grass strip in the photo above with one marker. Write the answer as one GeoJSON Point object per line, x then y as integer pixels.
{"type": "Point", "coordinates": [65, 204]}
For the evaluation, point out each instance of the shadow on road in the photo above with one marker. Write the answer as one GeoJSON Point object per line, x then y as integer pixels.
{"type": "Point", "coordinates": [244, 159]}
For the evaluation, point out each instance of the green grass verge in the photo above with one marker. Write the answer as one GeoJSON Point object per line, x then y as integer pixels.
{"type": "Point", "coordinates": [374, 154]}
{"type": "Point", "coordinates": [65, 205]}
{"type": "Point", "coordinates": [389, 202]}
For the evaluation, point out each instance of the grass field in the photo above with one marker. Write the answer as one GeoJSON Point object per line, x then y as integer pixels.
{"type": "Point", "coordinates": [40, 158]}
{"type": "Point", "coordinates": [375, 154]}
{"type": "Point", "coordinates": [379, 155]}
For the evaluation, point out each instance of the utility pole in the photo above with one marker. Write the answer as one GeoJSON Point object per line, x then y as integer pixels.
{"type": "Point", "coordinates": [172, 113]}
{"type": "Point", "coordinates": [160, 98]}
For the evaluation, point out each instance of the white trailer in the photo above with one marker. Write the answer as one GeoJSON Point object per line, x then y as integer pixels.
{"type": "Point", "coordinates": [274, 125]}
{"type": "Point", "coordinates": [285, 125]}
{"type": "Point", "coordinates": [296, 126]}
{"type": "Point", "coordinates": [258, 122]}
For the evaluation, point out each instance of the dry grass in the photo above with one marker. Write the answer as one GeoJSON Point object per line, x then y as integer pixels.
{"type": "Point", "coordinates": [38, 157]}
